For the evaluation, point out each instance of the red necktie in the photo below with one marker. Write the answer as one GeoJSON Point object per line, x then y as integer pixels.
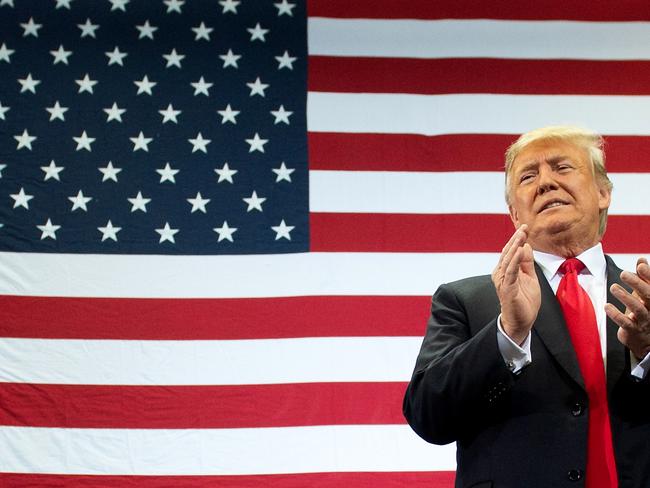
{"type": "Point", "coordinates": [581, 321]}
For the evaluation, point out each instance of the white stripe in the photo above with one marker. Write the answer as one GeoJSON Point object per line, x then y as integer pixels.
{"type": "Point", "coordinates": [263, 361]}
{"type": "Point", "coordinates": [479, 38]}
{"type": "Point", "coordinates": [91, 275]}
{"type": "Point", "coordinates": [474, 113]}
{"type": "Point", "coordinates": [462, 192]}
{"type": "Point", "coordinates": [331, 448]}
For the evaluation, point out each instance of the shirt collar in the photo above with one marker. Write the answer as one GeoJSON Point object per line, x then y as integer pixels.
{"type": "Point", "coordinates": [593, 259]}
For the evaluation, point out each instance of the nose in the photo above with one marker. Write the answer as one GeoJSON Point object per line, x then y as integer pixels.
{"type": "Point", "coordinates": [545, 180]}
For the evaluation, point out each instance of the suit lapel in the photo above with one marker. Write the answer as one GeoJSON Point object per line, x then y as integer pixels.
{"type": "Point", "coordinates": [616, 352]}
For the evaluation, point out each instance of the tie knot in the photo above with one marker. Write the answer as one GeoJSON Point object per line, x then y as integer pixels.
{"type": "Point", "coordinates": [572, 265]}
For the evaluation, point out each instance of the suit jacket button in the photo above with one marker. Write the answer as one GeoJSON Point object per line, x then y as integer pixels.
{"type": "Point", "coordinates": [574, 475]}
{"type": "Point", "coordinates": [577, 409]}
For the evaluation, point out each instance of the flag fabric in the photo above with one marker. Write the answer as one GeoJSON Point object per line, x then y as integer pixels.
{"type": "Point", "coordinates": [221, 221]}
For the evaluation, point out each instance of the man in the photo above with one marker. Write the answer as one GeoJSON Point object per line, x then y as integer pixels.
{"type": "Point", "coordinates": [540, 390]}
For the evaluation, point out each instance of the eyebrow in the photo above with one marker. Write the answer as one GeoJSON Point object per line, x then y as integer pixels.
{"type": "Point", "coordinates": [554, 160]}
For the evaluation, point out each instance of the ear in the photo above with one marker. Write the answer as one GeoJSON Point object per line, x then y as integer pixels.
{"type": "Point", "coordinates": [514, 216]}
{"type": "Point", "coordinates": [604, 197]}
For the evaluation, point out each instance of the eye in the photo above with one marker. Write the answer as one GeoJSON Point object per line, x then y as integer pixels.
{"type": "Point", "coordinates": [563, 167]}
{"type": "Point", "coordinates": [526, 177]}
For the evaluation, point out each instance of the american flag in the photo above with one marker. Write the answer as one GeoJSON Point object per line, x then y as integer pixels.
{"type": "Point", "coordinates": [221, 221]}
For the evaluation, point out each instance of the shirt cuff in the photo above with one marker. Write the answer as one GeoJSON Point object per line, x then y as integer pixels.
{"type": "Point", "coordinates": [515, 356]}
{"type": "Point", "coordinates": [640, 369]}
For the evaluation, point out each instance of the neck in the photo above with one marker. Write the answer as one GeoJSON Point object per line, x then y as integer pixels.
{"type": "Point", "coordinates": [564, 247]}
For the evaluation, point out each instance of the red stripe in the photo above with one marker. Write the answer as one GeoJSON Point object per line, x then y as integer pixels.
{"type": "Point", "coordinates": [178, 319]}
{"type": "Point", "coordinates": [201, 407]}
{"type": "Point", "coordinates": [448, 233]}
{"type": "Point", "coordinates": [438, 479]}
{"type": "Point", "coordinates": [458, 152]}
{"type": "Point", "coordinates": [465, 75]}
{"type": "Point", "coordinates": [624, 10]}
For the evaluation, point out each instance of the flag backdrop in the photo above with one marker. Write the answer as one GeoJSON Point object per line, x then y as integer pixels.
{"type": "Point", "coordinates": [221, 221]}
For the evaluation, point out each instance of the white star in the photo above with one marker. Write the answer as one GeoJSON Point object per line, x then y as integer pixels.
{"type": "Point", "coordinates": [202, 32]}
{"type": "Point", "coordinates": [258, 33]}
{"type": "Point", "coordinates": [228, 115]}
{"type": "Point", "coordinates": [198, 203]}
{"type": "Point", "coordinates": [119, 5]}
{"type": "Point", "coordinates": [52, 171]}
{"type": "Point", "coordinates": [230, 59]}
{"type": "Point", "coordinates": [145, 86]}
{"type": "Point", "coordinates": [63, 3]}
{"type": "Point", "coordinates": [167, 173]}
{"type": "Point", "coordinates": [88, 28]}
{"type": "Point", "coordinates": [21, 199]}
{"type": "Point", "coordinates": [48, 230]}
{"type": "Point", "coordinates": [174, 5]}
{"type": "Point", "coordinates": [3, 111]}
{"type": "Point", "coordinates": [57, 111]}
{"type": "Point", "coordinates": [86, 84]}
{"type": "Point", "coordinates": [141, 142]}
{"type": "Point", "coordinates": [28, 84]}
{"type": "Point", "coordinates": [225, 232]}
{"type": "Point", "coordinates": [84, 142]}
{"type": "Point", "coordinates": [285, 61]}
{"type": "Point", "coordinates": [199, 144]}
{"type": "Point", "coordinates": [254, 202]}
{"type": "Point", "coordinates": [146, 30]}
{"type": "Point", "coordinates": [283, 230]}
{"type": "Point", "coordinates": [115, 56]}
{"type": "Point", "coordinates": [256, 143]}
{"type": "Point", "coordinates": [79, 201]}
{"type": "Point", "coordinates": [5, 53]}
{"type": "Point", "coordinates": [2, 166]}
{"type": "Point", "coordinates": [110, 172]}
{"type": "Point", "coordinates": [173, 58]}
{"type": "Point", "coordinates": [225, 173]}
{"type": "Point", "coordinates": [109, 231]}
{"type": "Point", "coordinates": [167, 234]}
{"type": "Point", "coordinates": [9, 3]}
{"type": "Point", "coordinates": [281, 115]}
{"type": "Point", "coordinates": [285, 8]}
{"type": "Point", "coordinates": [169, 114]}
{"type": "Point", "coordinates": [60, 55]}
{"type": "Point", "coordinates": [283, 173]}
{"type": "Point", "coordinates": [139, 202]}
{"type": "Point", "coordinates": [25, 140]}
{"type": "Point", "coordinates": [257, 87]}
{"type": "Point", "coordinates": [201, 87]}
{"type": "Point", "coordinates": [31, 28]}
{"type": "Point", "coordinates": [114, 113]}
{"type": "Point", "coordinates": [229, 6]}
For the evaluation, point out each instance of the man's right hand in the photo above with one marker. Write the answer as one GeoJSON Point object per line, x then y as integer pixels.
{"type": "Point", "coordinates": [517, 286]}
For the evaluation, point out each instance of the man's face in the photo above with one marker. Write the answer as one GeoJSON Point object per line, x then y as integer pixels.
{"type": "Point", "coordinates": [553, 190]}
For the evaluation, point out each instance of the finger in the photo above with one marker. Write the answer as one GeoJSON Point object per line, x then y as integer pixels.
{"type": "Point", "coordinates": [643, 269]}
{"type": "Point", "coordinates": [632, 302]}
{"type": "Point", "coordinates": [515, 243]}
{"type": "Point", "coordinates": [619, 318]}
{"type": "Point", "coordinates": [641, 287]}
{"type": "Point", "coordinates": [511, 272]}
{"type": "Point", "coordinates": [513, 238]}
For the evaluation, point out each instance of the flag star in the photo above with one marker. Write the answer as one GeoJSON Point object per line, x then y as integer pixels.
{"type": "Point", "coordinates": [118, 5]}
{"type": "Point", "coordinates": [230, 59]}
{"type": "Point", "coordinates": [257, 87]}
{"type": "Point", "coordinates": [258, 33]}
{"type": "Point", "coordinates": [285, 61]}
{"type": "Point", "coordinates": [228, 114]}
{"type": "Point", "coordinates": [28, 84]}
{"type": "Point", "coordinates": [173, 59]}
{"type": "Point", "coordinates": [139, 202]}
{"type": "Point", "coordinates": [283, 173]}
{"type": "Point", "coordinates": [60, 55]}
{"type": "Point", "coordinates": [88, 28]}
{"type": "Point", "coordinates": [141, 142]}
{"type": "Point", "coordinates": [281, 115]}
{"type": "Point", "coordinates": [283, 230]}
{"type": "Point", "coordinates": [57, 111]}
{"type": "Point", "coordinates": [52, 171]}
{"type": "Point", "coordinates": [256, 143]}
{"type": "Point", "coordinates": [84, 142]}
{"type": "Point", "coordinates": [115, 56]}
{"type": "Point", "coordinates": [63, 3]}
{"type": "Point", "coordinates": [202, 32]}
{"type": "Point", "coordinates": [167, 173]}
{"type": "Point", "coordinates": [146, 30]}
{"type": "Point", "coordinates": [5, 53]}
{"type": "Point", "coordinates": [285, 7]}
{"type": "Point", "coordinates": [86, 84]}
{"type": "Point", "coordinates": [198, 203]}
{"type": "Point", "coordinates": [48, 229]}
{"type": "Point", "coordinates": [225, 232]}
{"type": "Point", "coordinates": [114, 113]}
{"type": "Point", "coordinates": [229, 6]}
{"type": "Point", "coordinates": [30, 27]}
{"type": "Point", "coordinates": [225, 173]}
{"type": "Point", "coordinates": [145, 86]}
{"type": "Point", "coordinates": [79, 201]}
{"type": "Point", "coordinates": [169, 114]}
{"type": "Point", "coordinates": [110, 172]}
{"type": "Point", "coordinates": [201, 87]}
{"type": "Point", "coordinates": [109, 231]}
{"type": "Point", "coordinates": [3, 111]}
{"type": "Point", "coordinates": [254, 202]}
{"type": "Point", "coordinates": [174, 5]}
{"type": "Point", "coordinates": [2, 166]}
{"type": "Point", "coordinates": [25, 140]}
{"type": "Point", "coordinates": [167, 234]}
{"type": "Point", "coordinates": [199, 144]}
{"type": "Point", "coordinates": [9, 3]}
{"type": "Point", "coordinates": [21, 199]}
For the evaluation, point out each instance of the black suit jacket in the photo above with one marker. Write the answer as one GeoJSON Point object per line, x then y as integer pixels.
{"type": "Point", "coordinates": [527, 430]}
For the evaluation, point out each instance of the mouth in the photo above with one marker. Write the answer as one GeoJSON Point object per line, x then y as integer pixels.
{"type": "Point", "coordinates": [552, 204]}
